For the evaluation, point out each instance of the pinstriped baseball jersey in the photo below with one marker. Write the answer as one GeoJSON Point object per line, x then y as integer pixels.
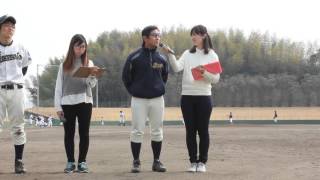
{"type": "Point", "coordinates": [12, 59]}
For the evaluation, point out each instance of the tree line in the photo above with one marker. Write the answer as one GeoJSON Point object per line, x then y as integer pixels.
{"type": "Point", "coordinates": [258, 69]}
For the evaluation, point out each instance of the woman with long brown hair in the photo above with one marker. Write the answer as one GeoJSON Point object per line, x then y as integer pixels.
{"type": "Point", "coordinates": [73, 100]}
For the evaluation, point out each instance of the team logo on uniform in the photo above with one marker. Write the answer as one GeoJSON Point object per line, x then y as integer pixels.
{"type": "Point", "coordinates": [157, 65]}
{"type": "Point", "coordinates": [10, 57]}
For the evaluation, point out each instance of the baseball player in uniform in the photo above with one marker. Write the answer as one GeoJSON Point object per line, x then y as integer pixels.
{"type": "Point", "coordinates": [50, 121]}
{"type": "Point", "coordinates": [14, 61]}
{"type": "Point", "coordinates": [144, 76]}
{"type": "Point", "coordinates": [122, 119]}
{"type": "Point", "coordinates": [275, 116]}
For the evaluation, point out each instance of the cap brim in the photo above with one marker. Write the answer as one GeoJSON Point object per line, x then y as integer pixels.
{"type": "Point", "coordinates": [8, 18]}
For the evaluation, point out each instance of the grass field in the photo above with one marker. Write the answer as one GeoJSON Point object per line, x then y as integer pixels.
{"type": "Point", "coordinates": [239, 113]}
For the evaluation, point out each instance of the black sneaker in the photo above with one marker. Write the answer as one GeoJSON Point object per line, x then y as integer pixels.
{"type": "Point", "coordinates": [157, 166]}
{"type": "Point", "coordinates": [19, 167]}
{"type": "Point", "coordinates": [135, 166]}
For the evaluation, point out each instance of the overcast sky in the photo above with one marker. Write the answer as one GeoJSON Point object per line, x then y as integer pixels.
{"type": "Point", "coordinates": [46, 27]}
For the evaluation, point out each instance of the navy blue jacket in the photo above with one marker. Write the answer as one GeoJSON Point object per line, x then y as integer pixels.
{"type": "Point", "coordinates": [145, 73]}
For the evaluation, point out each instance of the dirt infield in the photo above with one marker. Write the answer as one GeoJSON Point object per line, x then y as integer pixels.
{"type": "Point", "coordinates": [219, 113]}
{"type": "Point", "coordinates": [279, 152]}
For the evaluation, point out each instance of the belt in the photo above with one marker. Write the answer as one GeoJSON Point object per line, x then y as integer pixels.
{"type": "Point", "coordinates": [11, 86]}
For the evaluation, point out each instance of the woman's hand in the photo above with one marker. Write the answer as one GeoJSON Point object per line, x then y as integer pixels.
{"type": "Point", "coordinates": [60, 114]}
{"type": "Point", "coordinates": [201, 69]}
{"type": "Point", "coordinates": [94, 70]}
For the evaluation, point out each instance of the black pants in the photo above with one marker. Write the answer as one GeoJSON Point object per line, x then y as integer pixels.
{"type": "Point", "coordinates": [83, 112]}
{"type": "Point", "coordinates": [196, 112]}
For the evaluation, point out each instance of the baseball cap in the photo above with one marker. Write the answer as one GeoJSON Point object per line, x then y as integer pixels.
{"type": "Point", "coordinates": [6, 18]}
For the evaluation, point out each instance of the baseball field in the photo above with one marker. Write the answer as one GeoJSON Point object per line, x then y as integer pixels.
{"type": "Point", "coordinates": [219, 113]}
{"type": "Point", "coordinates": [237, 152]}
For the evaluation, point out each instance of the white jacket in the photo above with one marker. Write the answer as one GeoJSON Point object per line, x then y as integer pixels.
{"type": "Point", "coordinates": [186, 62]}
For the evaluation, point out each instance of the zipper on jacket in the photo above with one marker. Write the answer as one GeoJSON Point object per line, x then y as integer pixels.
{"type": "Point", "coordinates": [150, 59]}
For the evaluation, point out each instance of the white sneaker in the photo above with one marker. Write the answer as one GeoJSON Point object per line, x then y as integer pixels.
{"type": "Point", "coordinates": [201, 167]}
{"type": "Point", "coordinates": [193, 167]}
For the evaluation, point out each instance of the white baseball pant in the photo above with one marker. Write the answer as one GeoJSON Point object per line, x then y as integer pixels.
{"type": "Point", "coordinates": [12, 104]}
{"type": "Point", "coordinates": [141, 110]}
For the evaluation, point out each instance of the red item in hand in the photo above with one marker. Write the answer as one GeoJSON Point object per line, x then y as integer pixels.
{"type": "Point", "coordinates": [213, 68]}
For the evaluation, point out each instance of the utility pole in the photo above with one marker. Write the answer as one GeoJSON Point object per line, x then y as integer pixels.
{"type": "Point", "coordinates": [38, 80]}
{"type": "Point", "coordinates": [38, 91]}
{"type": "Point", "coordinates": [97, 94]}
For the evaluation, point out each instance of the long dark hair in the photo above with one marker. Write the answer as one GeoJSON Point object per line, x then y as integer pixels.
{"type": "Point", "coordinates": [69, 61]}
{"type": "Point", "coordinates": [207, 44]}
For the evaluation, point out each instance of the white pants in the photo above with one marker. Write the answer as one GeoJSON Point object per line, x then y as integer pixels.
{"type": "Point", "coordinates": [121, 120]}
{"type": "Point", "coordinates": [12, 103]}
{"type": "Point", "coordinates": [141, 110]}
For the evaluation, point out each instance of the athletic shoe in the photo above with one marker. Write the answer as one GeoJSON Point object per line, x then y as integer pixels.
{"type": "Point", "coordinates": [19, 167]}
{"type": "Point", "coordinates": [83, 167]}
{"type": "Point", "coordinates": [136, 166]}
{"type": "Point", "coordinates": [157, 166]}
{"type": "Point", "coordinates": [201, 167]}
{"type": "Point", "coordinates": [193, 167]}
{"type": "Point", "coordinates": [70, 167]}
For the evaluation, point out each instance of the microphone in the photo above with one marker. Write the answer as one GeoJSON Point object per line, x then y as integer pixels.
{"type": "Point", "coordinates": [166, 47]}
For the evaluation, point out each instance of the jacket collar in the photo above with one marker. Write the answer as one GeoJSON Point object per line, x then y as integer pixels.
{"type": "Point", "coordinates": [149, 50]}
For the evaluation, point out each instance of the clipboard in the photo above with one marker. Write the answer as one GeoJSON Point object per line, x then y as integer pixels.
{"type": "Point", "coordinates": [213, 68]}
{"type": "Point", "coordinates": [84, 72]}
